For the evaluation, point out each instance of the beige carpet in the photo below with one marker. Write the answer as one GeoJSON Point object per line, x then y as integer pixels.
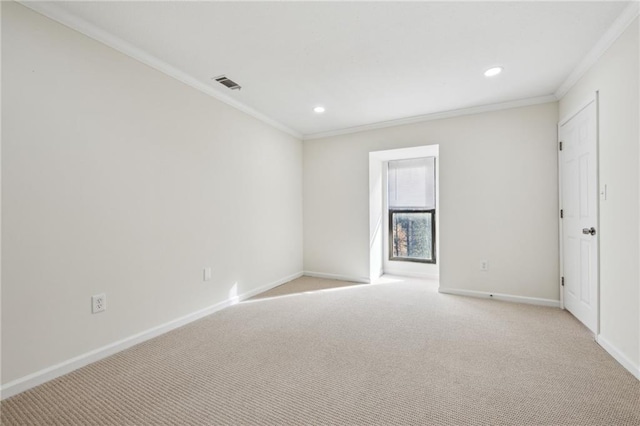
{"type": "Point", "coordinates": [388, 354]}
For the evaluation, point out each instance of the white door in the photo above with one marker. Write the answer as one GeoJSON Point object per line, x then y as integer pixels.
{"type": "Point", "coordinates": [579, 204]}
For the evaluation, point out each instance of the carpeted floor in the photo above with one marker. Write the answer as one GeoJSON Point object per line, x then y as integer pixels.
{"type": "Point", "coordinates": [384, 354]}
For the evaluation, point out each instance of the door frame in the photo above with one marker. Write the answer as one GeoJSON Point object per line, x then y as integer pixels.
{"type": "Point", "coordinates": [595, 97]}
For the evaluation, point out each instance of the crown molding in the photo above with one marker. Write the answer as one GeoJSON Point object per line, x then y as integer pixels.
{"type": "Point", "coordinates": [606, 41]}
{"type": "Point", "coordinates": [435, 116]}
{"type": "Point", "coordinates": [58, 14]}
{"type": "Point", "coordinates": [55, 12]}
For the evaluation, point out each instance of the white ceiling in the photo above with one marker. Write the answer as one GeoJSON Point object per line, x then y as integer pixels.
{"type": "Point", "coordinates": [366, 62]}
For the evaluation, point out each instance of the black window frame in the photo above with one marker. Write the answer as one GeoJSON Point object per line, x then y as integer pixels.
{"type": "Point", "coordinates": [433, 235]}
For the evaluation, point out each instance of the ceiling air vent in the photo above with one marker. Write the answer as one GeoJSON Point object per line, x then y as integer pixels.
{"type": "Point", "coordinates": [226, 82]}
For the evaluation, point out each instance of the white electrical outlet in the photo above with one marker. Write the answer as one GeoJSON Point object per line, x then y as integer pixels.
{"type": "Point", "coordinates": [98, 303]}
{"type": "Point", "coordinates": [484, 265]}
{"type": "Point", "coordinates": [206, 274]}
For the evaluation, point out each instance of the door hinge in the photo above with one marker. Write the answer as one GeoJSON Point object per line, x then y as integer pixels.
{"type": "Point", "coordinates": [560, 145]}
{"type": "Point", "coordinates": [562, 281]}
{"type": "Point", "coordinates": [561, 213]}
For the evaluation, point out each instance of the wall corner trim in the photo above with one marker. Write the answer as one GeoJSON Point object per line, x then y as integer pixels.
{"type": "Point", "coordinates": [39, 377]}
{"type": "Point", "coordinates": [58, 14]}
{"type": "Point", "coordinates": [504, 297]}
{"type": "Point", "coordinates": [619, 356]}
{"type": "Point", "coordinates": [606, 41]}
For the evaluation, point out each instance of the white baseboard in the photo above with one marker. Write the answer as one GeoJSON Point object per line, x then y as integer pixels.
{"type": "Point", "coordinates": [618, 356]}
{"type": "Point", "coordinates": [504, 297]}
{"type": "Point", "coordinates": [27, 382]}
{"type": "Point", "coordinates": [401, 273]}
{"type": "Point", "coordinates": [364, 280]}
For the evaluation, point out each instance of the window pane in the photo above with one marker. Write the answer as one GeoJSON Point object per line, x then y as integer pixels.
{"type": "Point", "coordinates": [412, 235]}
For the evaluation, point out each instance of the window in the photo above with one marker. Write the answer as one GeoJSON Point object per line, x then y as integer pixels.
{"type": "Point", "coordinates": [411, 234]}
{"type": "Point", "coordinates": [412, 213]}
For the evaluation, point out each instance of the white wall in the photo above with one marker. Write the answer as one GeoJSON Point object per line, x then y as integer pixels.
{"type": "Point", "coordinates": [118, 179]}
{"type": "Point", "coordinates": [615, 76]}
{"type": "Point", "coordinates": [498, 200]}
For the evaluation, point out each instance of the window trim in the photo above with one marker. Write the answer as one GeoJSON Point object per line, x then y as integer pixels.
{"type": "Point", "coordinates": [433, 235]}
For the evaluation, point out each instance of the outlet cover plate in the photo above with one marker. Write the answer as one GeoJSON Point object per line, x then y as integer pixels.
{"type": "Point", "coordinates": [206, 274]}
{"type": "Point", "coordinates": [98, 303]}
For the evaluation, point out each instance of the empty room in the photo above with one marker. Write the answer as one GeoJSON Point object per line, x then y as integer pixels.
{"type": "Point", "coordinates": [320, 213]}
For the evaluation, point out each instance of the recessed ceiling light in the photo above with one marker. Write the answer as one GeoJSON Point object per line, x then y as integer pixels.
{"type": "Point", "coordinates": [493, 71]}
{"type": "Point", "coordinates": [318, 109]}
